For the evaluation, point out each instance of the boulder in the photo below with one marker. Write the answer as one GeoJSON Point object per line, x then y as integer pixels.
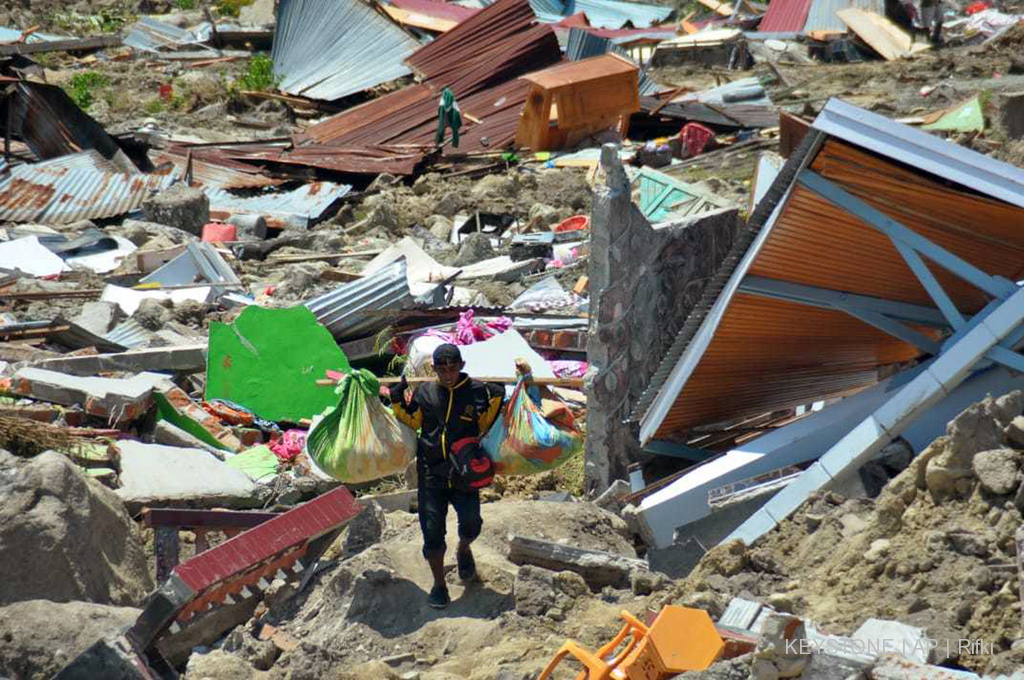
{"type": "Point", "coordinates": [181, 207]}
{"type": "Point", "coordinates": [41, 637]}
{"type": "Point", "coordinates": [474, 248]}
{"type": "Point", "coordinates": [217, 664]}
{"type": "Point", "coordinates": [540, 591]}
{"type": "Point", "coordinates": [997, 470]}
{"type": "Point", "coordinates": [74, 532]}
{"type": "Point", "coordinates": [440, 226]}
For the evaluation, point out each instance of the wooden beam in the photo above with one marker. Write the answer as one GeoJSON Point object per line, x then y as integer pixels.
{"type": "Point", "coordinates": [93, 43]}
{"type": "Point", "coordinates": [551, 382]}
{"type": "Point", "coordinates": [598, 568]}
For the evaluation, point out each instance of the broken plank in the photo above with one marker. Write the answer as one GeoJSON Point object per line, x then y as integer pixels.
{"type": "Point", "coordinates": [598, 568]}
{"type": "Point", "coordinates": [723, 8]}
{"type": "Point", "coordinates": [316, 258]}
{"type": "Point", "coordinates": [881, 34]}
{"type": "Point", "coordinates": [230, 519]}
{"type": "Point", "coordinates": [92, 43]}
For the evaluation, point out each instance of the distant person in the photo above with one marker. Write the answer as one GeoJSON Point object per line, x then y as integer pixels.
{"type": "Point", "coordinates": [931, 20]}
{"type": "Point", "coordinates": [447, 412]}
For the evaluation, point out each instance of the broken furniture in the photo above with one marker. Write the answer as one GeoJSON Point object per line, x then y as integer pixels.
{"type": "Point", "coordinates": [571, 101]}
{"type": "Point", "coordinates": [680, 639]}
{"type": "Point", "coordinates": [724, 47]}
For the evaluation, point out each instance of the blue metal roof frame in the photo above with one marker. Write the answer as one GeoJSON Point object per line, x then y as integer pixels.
{"type": "Point", "coordinates": [328, 49]}
{"type": "Point", "coordinates": [10, 35]}
{"type": "Point", "coordinates": [584, 44]}
{"type": "Point", "coordinates": [852, 124]}
{"type": "Point", "coordinates": [930, 153]}
{"type": "Point", "coordinates": [298, 207]}
{"type": "Point", "coordinates": [150, 35]}
{"type": "Point", "coordinates": [822, 14]}
{"type": "Point", "coordinates": [341, 310]}
{"type": "Point", "coordinates": [71, 188]}
{"type": "Point", "coordinates": [615, 14]}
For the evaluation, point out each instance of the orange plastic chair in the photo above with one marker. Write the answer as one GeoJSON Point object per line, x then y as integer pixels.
{"type": "Point", "coordinates": [680, 639]}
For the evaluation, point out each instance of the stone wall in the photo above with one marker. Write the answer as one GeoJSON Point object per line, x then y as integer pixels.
{"type": "Point", "coordinates": [643, 282]}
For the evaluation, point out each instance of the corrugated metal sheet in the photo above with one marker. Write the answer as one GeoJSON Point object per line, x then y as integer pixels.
{"type": "Point", "coordinates": [785, 16]}
{"type": "Point", "coordinates": [298, 207]}
{"type": "Point", "coordinates": [822, 14]}
{"type": "Point", "coordinates": [740, 354]}
{"type": "Point", "coordinates": [224, 173]}
{"type": "Point", "coordinates": [52, 125]}
{"type": "Point", "coordinates": [328, 49]}
{"type": "Point", "coordinates": [66, 190]}
{"type": "Point", "coordinates": [584, 44]}
{"type": "Point", "coordinates": [150, 35]}
{"type": "Point", "coordinates": [342, 310]}
{"type": "Point", "coordinates": [614, 14]}
{"type": "Point", "coordinates": [435, 8]}
{"type": "Point", "coordinates": [130, 334]}
{"type": "Point", "coordinates": [10, 35]}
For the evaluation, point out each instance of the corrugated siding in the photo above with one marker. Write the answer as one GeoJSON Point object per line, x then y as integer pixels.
{"type": "Point", "coordinates": [822, 13]}
{"type": "Point", "coordinates": [328, 49]}
{"type": "Point", "coordinates": [69, 189]}
{"type": "Point", "coordinates": [298, 206]}
{"type": "Point", "coordinates": [785, 16]}
{"type": "Point", "coordinates": [613, 14]}
{"type": "Point", "coordinates": [150, 35]}
{"type": "Point", "coordinates": [342, 310]}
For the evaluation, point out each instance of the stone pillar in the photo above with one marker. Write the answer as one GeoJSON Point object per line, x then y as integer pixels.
{"type": "Point", "coordinates": [644, 282]}
{"type": "Point", "coordinates": [1019, 536]}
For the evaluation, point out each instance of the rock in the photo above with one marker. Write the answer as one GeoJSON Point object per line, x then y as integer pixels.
{"type": "Point", "coordinates": [99, 317]}
{"type": "Point", "coordinates": [970, 543]}
{"type": "Point", "coordinates": [141, 233]}
{"type": "Point", "coordinates": [474, 248]}
{"type": "Point", "coordinates": [278, 593]}
{"type": "Point", "coordinates": [74, 532]}
{"type": "Point", "coordinates": [763, 670]}
{"type": "Point", "coordinates": [779, 645]}
{"type": "Point", "coordinates": [259, 13]}
{"type": "Point", "coordinates": [496, 187]}
{"type": "Point", "coordinates": [249, 227]}
{"type": "Point", "coordinates": [997, 470]}
{"type": "Point", "coordinates": [383, 216]}
{"type": "Point", "coordinates": [534, 590]}
{"type": "Point", "coordinates": [450, 204]}
{"type": "Point", "coordinates": [383, 181]}
{"type": "Point", "coordinates": [261, 653]}
{"type": "Point", "coordinates": [366, 529]}
{"type": "Point", "coordinates": [1014, 432]}
{"type": "Point", "coordinates": [879, 550]}
{"type": "Point", "coordinates": [440, 226]}
{"type": "Point", "coordinates": [645, 582]}
{"type": "Point", "coordinates": [611, 499]}
{"type": "Point", "coordinates": [40, 637]}
{"type": "Point", "coordinates": [190, 312]}
{"type": "Point", "coordinates": [182, 207]}
{"type": "Point", "coordinates": [543, 215]}
{"type": "Point", "coordinates": [152, 314]}
{"type": "Point", "coordinates": [424, 184]}
{"type": "Point", "coordinates": [738, 668]}
{"type": "Point", "coordinates": [217, 665]}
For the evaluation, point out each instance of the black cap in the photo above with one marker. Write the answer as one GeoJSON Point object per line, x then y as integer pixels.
{"type": "Point", "coordinates": [447, 354]}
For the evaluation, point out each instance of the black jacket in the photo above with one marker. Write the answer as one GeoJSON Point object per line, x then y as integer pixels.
{"type": "Point", "coordinates": [445, 416]}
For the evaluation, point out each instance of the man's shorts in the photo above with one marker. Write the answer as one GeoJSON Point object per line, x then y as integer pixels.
{"type": "Point", "coordinates": [433, 512]}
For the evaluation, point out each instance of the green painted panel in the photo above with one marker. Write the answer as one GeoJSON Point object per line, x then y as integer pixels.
{"type": "Point", "coordinates": [165, 411]}
{"type": "Point", "coordinates": [258, 463]}
{"type": "Point", "coordinates": [269, 360]}
{"type": "Point", "coordinates": [965, 118]}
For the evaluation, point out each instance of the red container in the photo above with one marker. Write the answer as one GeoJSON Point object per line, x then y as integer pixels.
{"type": "Point", "coordinates": [574, 223]}
{"type": "Point", "coordinates": [219, 232]}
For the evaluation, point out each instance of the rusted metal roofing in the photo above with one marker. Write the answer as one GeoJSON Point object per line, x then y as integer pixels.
{"type": "Point", "coordinates": [222, 172]}
{"type": "Point", "coordinates": [741, 354]}
{"type": "Point", "coordinates": [52, 125]}
{"type": "Point", "coordinates": [72, 188]}
{"type": "Point", "coordinates": [785, 16]}
{"type": "Point", "coordinates": [328, 49]}
{"type": "Point", "coordinates": [498, 43]}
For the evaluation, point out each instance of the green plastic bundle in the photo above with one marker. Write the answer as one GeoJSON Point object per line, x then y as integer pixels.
{"type": "Point", "coordinates": [359, 440]}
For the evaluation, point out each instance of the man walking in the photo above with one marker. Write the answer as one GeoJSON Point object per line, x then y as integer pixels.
{"type": "Point", "coordinates": [454, 408]}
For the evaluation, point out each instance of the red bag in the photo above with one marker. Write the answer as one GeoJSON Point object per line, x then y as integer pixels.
{"type": "Point", "coordinates": [471, 468]}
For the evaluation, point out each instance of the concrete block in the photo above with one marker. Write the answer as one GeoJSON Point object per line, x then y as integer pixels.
{"type": "Point", "coordinates": [955, 363]}
{"type": "Point", "coordinates": [908, 402]}
{"type": "Point", "coordinates": [895, 667]}
{"type": "Point", "coordinates": [181, 359]}
{"type": "Point", "coordinates": [172, 435]}
{"type": "Point", "coordinates": [152, 474]}
{"type": "Point", "coordinates": [112, 657]}
{"type": "Point", "coordinates": [792, 497]}
{"type": "Point", "coordinates": [99, 317]}
{"type": "Point", "coordinates": [740, 614]}
{"type": "Point", "coordinates": [182, 207]}
{"type": "Point", "coordinates": [394, 501]}
{"type": "Point", "coordinates": [880, 636]}
{"type": "Point", "coordinates": [114, 399]}
{"type": "Point", "coordinates": [249, 227]}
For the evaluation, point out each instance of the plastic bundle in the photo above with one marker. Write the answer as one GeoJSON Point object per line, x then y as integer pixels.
{"type": "Point", "coordinates": [360, 440]}
{"type": "Point", "coordinates": [535, 432]}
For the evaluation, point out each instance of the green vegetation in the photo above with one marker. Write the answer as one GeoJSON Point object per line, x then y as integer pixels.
{"type": "Point", "coordinates": [154, 106]}
{"type": "Point", "coordinates": [259, 76]}
{"type": "Point", "coordinates": [569, 477]}
{"type": "Point", "coordinates": [231, 8]}
{"type": "Point", "coordinates": [186, 5]}
{"type": "Point", "coordinates": [82, 86]}
{"type": "Point", "coordinates": [108, 20]}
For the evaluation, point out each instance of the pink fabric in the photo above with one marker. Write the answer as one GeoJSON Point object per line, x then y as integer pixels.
{"type": "Point", "coordinates": [695, 138]}
{"type": "Point", "coordinates": [467, 330]}
{"type": "Point", "coordinates": [289, 445]}
{"type": "Point", "coordinates": [568, 369]}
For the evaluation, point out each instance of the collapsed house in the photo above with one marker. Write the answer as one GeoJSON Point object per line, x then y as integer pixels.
{"type": "Point", "coordinates": [876, 276]}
